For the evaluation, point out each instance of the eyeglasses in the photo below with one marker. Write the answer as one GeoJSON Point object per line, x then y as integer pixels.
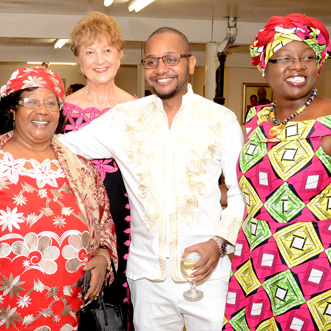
{"type": "Point", "coordinates": [170, 60]}
{"type": "Point", "coordinates": [29, 103]}
{"type": "Point", "coordinates": [287, 61]}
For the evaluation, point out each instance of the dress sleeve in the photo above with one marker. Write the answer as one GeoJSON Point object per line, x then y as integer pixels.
{"type": "Point", "coordinates": [103, 228]}
{"type": "Point", "coordinates": [92, 199]}
{"type": "Point", "coordinates": [232, 215]}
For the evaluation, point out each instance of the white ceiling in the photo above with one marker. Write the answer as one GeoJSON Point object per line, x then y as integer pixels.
{"type": "Point", "coordinates": [246, 11]}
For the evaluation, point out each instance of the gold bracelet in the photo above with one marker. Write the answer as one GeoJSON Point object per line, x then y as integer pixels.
{"type": "Point", "coordinates": [107, 259]}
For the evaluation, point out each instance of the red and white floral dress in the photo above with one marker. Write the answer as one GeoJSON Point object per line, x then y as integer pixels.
{"type": "Point", "coordinates": [43, 247]}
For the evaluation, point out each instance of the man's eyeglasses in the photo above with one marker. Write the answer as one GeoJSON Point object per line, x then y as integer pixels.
{"type": "Point", "coordinates": [30, 103]}
{"type": "Point", "coordinates": [287, 61]}
{"type": "Point", "coordinates": [170, 60]}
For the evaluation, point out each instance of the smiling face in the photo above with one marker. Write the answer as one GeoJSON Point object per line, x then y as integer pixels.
{"type": "Point", "coordinates": [168, 82]}
{"type": "Point", "coordinates": [35, 126]}
{"type": "Point", "coordinates": [297, 80]}
{"type": "Point", "coordinates": [99, 61]}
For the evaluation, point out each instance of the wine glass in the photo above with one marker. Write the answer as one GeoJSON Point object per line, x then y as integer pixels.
{"type": "Point", "coordinates": [185, 264]}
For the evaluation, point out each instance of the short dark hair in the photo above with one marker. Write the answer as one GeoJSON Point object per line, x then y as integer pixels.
{"type": "Point", "coordinates": [166, 29]}
{"type": "Point", "coordinates": [10, 102]}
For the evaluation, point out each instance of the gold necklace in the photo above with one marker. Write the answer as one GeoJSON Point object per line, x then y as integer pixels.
{"type": "Point", "coordinates": [275, 130]}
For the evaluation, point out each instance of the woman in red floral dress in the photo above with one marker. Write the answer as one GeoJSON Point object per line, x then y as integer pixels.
{"type": "Point", "coordinates": [54, 211]}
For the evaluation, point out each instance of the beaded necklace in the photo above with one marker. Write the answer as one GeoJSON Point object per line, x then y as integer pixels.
{"type": "Point", "coordinates": [280, 125]}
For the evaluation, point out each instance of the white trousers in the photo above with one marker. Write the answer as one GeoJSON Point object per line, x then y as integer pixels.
{"type": "Point", "coordinates": [161, 306]}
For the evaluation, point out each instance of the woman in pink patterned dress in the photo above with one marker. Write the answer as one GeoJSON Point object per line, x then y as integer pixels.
{"type": "Point", "coordinates": [54, 211]}
{"type": "Point", "coordinates": [97, 44]}
{"type": "Point", "coordinates": [281, 269]}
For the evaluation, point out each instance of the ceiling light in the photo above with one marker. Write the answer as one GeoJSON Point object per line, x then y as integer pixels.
{"type": "Point", "coordinates": [31, 62]}
{"type": "Point", "coordinates": [138, 5]}
{"type": "Point", "coordinates": [60, 42]}
{"type": "Point", "coordinates": [107, 3]}
{"type": "Point", "coordinates": [63, 63]}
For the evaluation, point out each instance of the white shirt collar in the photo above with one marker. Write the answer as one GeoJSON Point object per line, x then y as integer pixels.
{"type": "Point", "coordinates": [186, 97]}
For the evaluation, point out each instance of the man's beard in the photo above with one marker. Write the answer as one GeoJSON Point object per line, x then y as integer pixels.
{"type": "Point", "coordinates": [172, 93]}
{"type": "Point", "coordinates": [162, 96]}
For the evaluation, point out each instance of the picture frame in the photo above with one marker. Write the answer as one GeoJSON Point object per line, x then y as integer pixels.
{"type": "Point", "coordinates": [251, 89]}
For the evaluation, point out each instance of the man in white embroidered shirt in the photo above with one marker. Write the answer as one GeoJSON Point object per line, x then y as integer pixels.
{"type": "Point", "coordinates": [171, 148]}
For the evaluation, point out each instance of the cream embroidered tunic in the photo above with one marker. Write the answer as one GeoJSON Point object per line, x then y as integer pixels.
{"type": "Point", "coordinates": [171, 176]}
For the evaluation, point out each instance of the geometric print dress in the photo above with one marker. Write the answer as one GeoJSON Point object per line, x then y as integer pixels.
{"type": "Point", "coordinates": [43, 247]}
{"type": "Point", "coordinates": [281, 268]}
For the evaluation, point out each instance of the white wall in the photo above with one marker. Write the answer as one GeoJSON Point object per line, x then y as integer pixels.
{"type": "Point", "coordinates": [126, 79]}
{"type": "Point", "coordinates": [71, 74]}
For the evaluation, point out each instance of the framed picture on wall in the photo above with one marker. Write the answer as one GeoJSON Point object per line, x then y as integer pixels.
{"type": "Point", "coordinates": [255, 94]}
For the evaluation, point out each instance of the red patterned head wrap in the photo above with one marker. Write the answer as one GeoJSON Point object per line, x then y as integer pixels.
{"type": "Point", "coordinates": [34, 77]}
{"type": "Point", "coordinates": [280, 30]}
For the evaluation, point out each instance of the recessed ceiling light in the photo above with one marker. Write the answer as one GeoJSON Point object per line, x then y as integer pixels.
{"type": "Point", "coordinates": [60, 42]}
{"type": "Point", "coordinates": [138, 5]}
{"type": "Point", "coordinates": [107, 3]}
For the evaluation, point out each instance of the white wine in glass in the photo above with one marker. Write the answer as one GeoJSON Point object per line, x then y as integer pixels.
{"type": "Point", "coordinates": [186, 264]}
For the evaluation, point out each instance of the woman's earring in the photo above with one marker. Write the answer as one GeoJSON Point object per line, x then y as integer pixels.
{"type": "Point", "coordinates": [263, 74]}
{"type": "Point", "coordinates": [82, 71]}
{"type": "Point", "coordinates": [13, 115]}
{"type": "Point", "coordinates": [119, 63]}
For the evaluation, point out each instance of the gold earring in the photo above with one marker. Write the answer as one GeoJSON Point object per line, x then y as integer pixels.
{"type": "Point", "coordinates": [82, 71]}
{"type": "Point", "coordinates": [119, 63]}
{"type": "Point", "coordinates": [13, 115]}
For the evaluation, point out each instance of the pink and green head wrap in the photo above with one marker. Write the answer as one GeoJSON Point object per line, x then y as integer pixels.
{"type": "Point", "coordinates": [280, 31]}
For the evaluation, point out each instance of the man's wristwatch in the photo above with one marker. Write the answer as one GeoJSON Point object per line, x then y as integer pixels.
{"type": "Point", "coordinates": [222, 245]}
